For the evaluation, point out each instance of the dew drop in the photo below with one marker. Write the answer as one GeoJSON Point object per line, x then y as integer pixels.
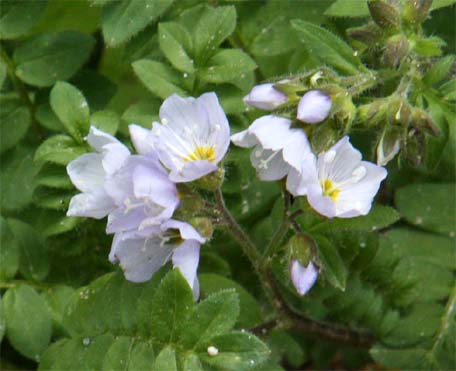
{"type": "Point", "coordinates": [212, 351]}
{"type": "Point", "coordinates": [86, 342]}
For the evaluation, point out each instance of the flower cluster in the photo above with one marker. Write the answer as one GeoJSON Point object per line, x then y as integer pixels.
{"type": "Point", "coordinates": [138, 192]}
{"type": "Point", "coordinates": [337, 182]}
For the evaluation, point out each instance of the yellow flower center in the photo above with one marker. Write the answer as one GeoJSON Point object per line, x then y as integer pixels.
{"type": "Point", "coordinates": [329, 190]}
{"type": "Point", "coordinates": [202, 153]}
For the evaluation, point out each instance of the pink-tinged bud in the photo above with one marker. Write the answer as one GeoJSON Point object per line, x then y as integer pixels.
{"type": "Point", "coordinates": [303, 278]}
{"type": "Point", "coordinates": [314, 107]}
{"type": "Point", "coordinates": [265, 97]}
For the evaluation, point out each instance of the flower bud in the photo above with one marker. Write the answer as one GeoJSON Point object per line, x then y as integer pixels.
{"type": "Point", "coordinates": [413, 151]}
{"type": "Point", "coordinates": [368, 34]}
{"type": "Point", "coordinates": [423, 121]}
{"type": "Point", "coordinates": [300, 248]}
{"type": "Point", "coordinates": [373, 113]}
{"type": "Point", "coordinates": [203, 226]}
{"type": "Point", "coordinates": [416, 11]}
{"type": "Point", "coordinates": [265, 97]}
{"type": "Point", "coordinates": [212, 181]}
{"type": "Point", "coordinates": [384, 14]}
{"type": "Point", "coordinates": [399, 111]}
{"type": "Point", "coordinates": [190, 204]}
{"type": "Point", "coordinates": [303, 277]}
{"type": "Point", "coordinates": [397, 48]}
{"type": "Point", "coordinates": [314, 107]}
{"type": "Point", "coordinates": [389, 144]}
{"type": "Point", "coordinates": [324, 136]}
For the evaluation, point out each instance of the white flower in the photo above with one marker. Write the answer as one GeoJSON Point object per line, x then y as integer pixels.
{"type": "Point", "coordinates": [193, 136]}
{"type": "Point", "coordinates": [277, 146]}
{"type": "Point", "coordinates": [266, 97]}
{"type": "Point", "coordinates": [303, 278]}
{"type": "Point", "coordinates": [338, 183]}
{"type": "Point", "coordinates": [141, 253]}
{"type": "Point", "coordinates": [314, 107]}
{"type": "Point", "coordinates": [89, 172]}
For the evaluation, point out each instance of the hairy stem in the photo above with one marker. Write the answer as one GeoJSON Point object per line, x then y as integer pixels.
{"type": "Point", "coordinates": [287, 318]}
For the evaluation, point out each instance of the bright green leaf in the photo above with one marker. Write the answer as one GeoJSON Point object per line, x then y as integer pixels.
{"type": "Point", "coordinates": [28, 321]}
{"type": "Point", "coordinates": [107, 121]}
{"type": "Point", "coordinates": [18, 17]}
{"type": "Point", "coordinates": [160, 79]}
{"type": "Point", "coordinates": [33, 261]}
{"type": "Point", "coordinates": [47, 58]}
{"type": "Point", "coordinates": [429, 206]}
{"type": "Point", "coordinates": [14, 122]}
{"type": "Point", "coordinates": [214, 26]}
{"type": "Point", "coordinates": [333, 267]}
{"type": "Point", "coordinates": [348, 8]}
{"type": "Point", "coordinates": [175, 43]}
{"type": "Point", "coordinates": [215, 315]}
{"type": "Point", "coordinates": [166, 360]}
{"type": "Point", "coordinates": [123, 19]}
{"type": "Point", "coordinates": [59, 149]}
{"type": "Point", "coordinates": [227, 65]}
{"type": "Point", "coordinates": [71, 108]}
{"type": "Point", "coordinates": [328, 48]}
{"type": "Point", "coordinates": [9, 252]}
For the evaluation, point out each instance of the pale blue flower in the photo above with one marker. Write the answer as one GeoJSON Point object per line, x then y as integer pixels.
{"type": "Point", "coordinates": [277, 146]}
{"type": "Point", "coordinates": [314, 107]}
{"type": "Point", "coordinates": [192, 137]}
{"type": "Point", "coordinates": [141, 253]}
{"type": "Point", "coordinates": [265, 97]}
{"type": "Point", "coordinates": [303, 278]}
{"type": "Point", "coordinates": [89, 172]}
{"type": "Point", "coordinates": [337, 182]}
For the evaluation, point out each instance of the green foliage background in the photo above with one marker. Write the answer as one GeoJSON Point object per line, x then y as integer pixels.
{"type": "Point", "coordinates": [66, 65]}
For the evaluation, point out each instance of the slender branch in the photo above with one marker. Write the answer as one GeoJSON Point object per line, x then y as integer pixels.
{"type": "Point", "coordinates": [286, 317]}
{"type": "Point", "coordinates": [237, 232]}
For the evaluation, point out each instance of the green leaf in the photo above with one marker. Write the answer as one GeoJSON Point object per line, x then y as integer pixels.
{"type": "Point", "coordinates": [47, 118]}
{"type": "Point", "coordinates": [52, 198]}
{"type": "Point", "coordinates": [56, 299]}
{"type": "Point", "coordinates": [17, 178]}
{"type": "Point", "coordinates": [430, 355]}
{"type": "Point", "coordinates": [9, 252]}
{"type": "Point", "coordinates": [160, 79]}
{"type": "Point", "coordinates": [328, 48]}
{"type": "Point", "coordinates": [333, 267]}
{"type": "Point", "coordinates": [236, 351]}
{"type": "Point", "coordinates": [28, 321]}
{"type": "Point", "coordinates": [142, 113]}
{"type": "Point", "coordinates": [14, 122]}
{"type": "Point", "coordinates": [430, 46]}
{"type": "Point", "coordinates": [166, 360]}
{"type": "Point", "coordinates": [18, 17]}
{"type": "Point", "coordinates": [50, 57]}
{"type": "Point", "coordinates": [123, 19]}
{"type": "Point", "coordinates": [437, 4]}
{"type": "Point", "coordinates": [176, 43]}
{"type": "Point", "coordinates": [226, 66]}
{"type": "Point", "coordinates": [127, 353]}
{"type": "Point", "coordinates": [71, 108]}
{"type": "Point", "coordinates": [215, 315]}
{"type": "Point", "coordinates": [439, 71]}
{"type": "Point", "coordinates": [107, 121]}
{"type": "Point", "coordinates": [378, 218]}
{"type": "Point", "coordinates": [191, 362]}
{"type": "Point", "coordinates": [54, 176]}
{"type": "Point", "coordinates": [33, 263]}
{"type": "Point", "coordinates": [59, 149]}
{"type": "Point", "coordinates": [214, 26]}
{"type": "Point", "coordinates": [348, 8]}
{"type": "Point", "coordinates": [429, 206]}
{"type": "Point", "coordinates": [171, 304]}
{"type": "Point", "coordinates": [250, 311]}
{"type": "Point", "coordinates": [51, 223]}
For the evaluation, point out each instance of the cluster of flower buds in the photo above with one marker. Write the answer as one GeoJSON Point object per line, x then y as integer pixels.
{"type": "Point", "coordinates": [139, 192]}
{"type": "Point", "coordinates": [336, 181]}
